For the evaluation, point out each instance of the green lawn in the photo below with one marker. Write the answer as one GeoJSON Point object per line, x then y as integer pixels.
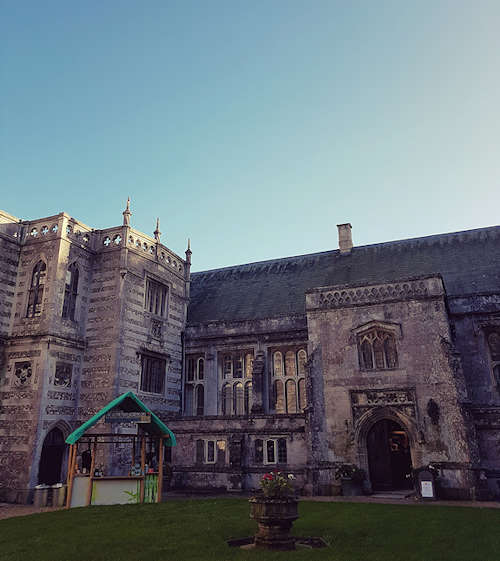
{"type": "Point", "coordinates": [184, 530]}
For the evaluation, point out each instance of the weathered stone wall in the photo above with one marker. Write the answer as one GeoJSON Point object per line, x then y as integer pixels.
{"type": "Point", "coordinates": [35, 402]}
{"type": "Point", "coordinates": [214, 339]}
{"type": "Point", "coordinates": [101, 347]}
{"type": "Point", "coordinates": [355, 398]}
{"type": "Point", "coordinates": [9, 259]}
{"type": "Point", "coordinates": [143, 331]}
{"type": "Point", "coordinates": [239, 469]}
{"type": "Point", "coordinates": [472, 316]}
{"type": "Point", "coordinates": [441, 344]}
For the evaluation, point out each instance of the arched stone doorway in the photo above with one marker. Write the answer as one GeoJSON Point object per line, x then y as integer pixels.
{"type": "Point", "coordinates": [49, 471]}
{"type": "Point", "coordinates": [389, 456]}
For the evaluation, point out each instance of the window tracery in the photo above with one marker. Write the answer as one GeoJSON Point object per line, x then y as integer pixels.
{"type": "Point", "coordinates": [236, 369]}
{"type": "Point", "coordinates": [35, 296]}
{"type": "Point", "coordinates": [377, 350]}
{"type": "Point", "coordinates": [200, 400]}
{"type": "Point", "coordinates": [270, 451]}
{"type": "Point", "coordinates": [194, 388]}
{"type": "Point", "coordinates": [210, 451]}
{"type": "Point", "coordinates": [70, 292]}
{"type": "Point", "coordinates": [288, 380]}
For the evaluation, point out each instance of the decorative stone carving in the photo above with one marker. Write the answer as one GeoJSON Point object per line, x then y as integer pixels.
{"type": "Point", "coordinates": [22, 373]}
{"type": "Point", "coordinates": [63, 375]}
{"type": "Point", "coordinates": [156, 329]}
{"type": "Point", "coordinates": [401, 399]}
{"type": "Point", "coordinates": [370, 294]}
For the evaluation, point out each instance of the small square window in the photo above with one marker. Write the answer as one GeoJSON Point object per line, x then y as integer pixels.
{"type": "Point", "coordinates": [210, 451]}
{"type": "Point", "coordinates": [271, 451]}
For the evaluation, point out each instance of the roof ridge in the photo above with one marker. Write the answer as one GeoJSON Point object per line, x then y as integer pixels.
{"type": "Point", "coordinates": [421, 239]}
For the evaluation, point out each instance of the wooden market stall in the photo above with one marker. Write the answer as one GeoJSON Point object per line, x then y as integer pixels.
{"type": "Point", "coordinates": [88, 482]}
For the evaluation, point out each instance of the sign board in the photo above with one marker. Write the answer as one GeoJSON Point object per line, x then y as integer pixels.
{"type": "Point", "coordinates": [128, 417]}
{"type": "Point", "coordinates": [427, 489]}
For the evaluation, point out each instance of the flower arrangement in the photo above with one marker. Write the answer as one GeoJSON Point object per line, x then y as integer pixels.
{"type": "Point", "coordinates": [277, 484]}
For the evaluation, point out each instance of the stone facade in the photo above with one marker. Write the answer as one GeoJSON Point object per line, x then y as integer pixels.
{"type": "Point", "coordinates": [297, 364]}
{"type": "Point", "coordinates": [58, 371]}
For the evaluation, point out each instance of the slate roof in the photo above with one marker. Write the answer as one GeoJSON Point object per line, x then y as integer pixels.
{"type": "Point", "coordinates": [468, 261]}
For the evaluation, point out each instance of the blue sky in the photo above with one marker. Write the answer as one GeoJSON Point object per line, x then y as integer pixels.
{"type": "Point", "coordinates": [253, 127]}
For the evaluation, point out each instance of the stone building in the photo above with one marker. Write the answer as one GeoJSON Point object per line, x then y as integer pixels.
{"type": "Point", "coordinates": [384, 356]}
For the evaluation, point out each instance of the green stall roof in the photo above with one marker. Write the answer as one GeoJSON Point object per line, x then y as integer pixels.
{"type": "Point", "coordinates": [126, 402]}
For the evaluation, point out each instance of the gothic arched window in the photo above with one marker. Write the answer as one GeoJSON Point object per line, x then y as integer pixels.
{"type": "Point", "coordinates": [200, 399]}
{"type": "Point", "coordinates": [289, 365]}
{"type": "Point", "coordinates": [227, 400]}
{"type": "Point", "coordinates": [291, 396]}
{"type": "Point", "coordinates": [278, 364]}
{"type": "Point", "coordinates": [301, 362]}
{"type": "Point", "coordinates": [201, 368]}
{"type": "Point", "coordinates": [279, 398]}
{"type": "Point", "coordinates": [248, 365]}
{"type": "Point", "coordinates": [248, 398]}
{"type": "Point", "coordinates": [366, 355]}
{"type": "Point", "coordinates": [36, 290]}
{"type": "Point", "coordinates": [70, 292]}
{"type": "Point", "coordinates": [238, 398]}
{"type": "Point", "coordinates": [236, 370]}
{"type": "Point", "coordinates": [377, 350]}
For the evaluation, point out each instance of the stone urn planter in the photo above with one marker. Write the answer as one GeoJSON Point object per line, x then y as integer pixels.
{"type": "Point", "coordinates": [275, 517]}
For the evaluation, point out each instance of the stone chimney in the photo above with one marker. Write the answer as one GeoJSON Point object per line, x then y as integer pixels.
{"type": "Point", "coordinates": [345, 238]}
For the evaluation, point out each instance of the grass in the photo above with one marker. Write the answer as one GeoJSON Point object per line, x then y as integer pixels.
{"type": "Point", "coordinates": [196, 530]}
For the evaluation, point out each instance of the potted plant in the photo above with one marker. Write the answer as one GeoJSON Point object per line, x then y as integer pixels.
{"type": "Point", "coordinates": [351, 478]}
{"type": "Point", "coordinates": [275, 510]}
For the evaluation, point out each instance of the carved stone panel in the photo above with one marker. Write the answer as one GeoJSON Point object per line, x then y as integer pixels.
{"type": "Point", "coordinates": [156, 329]}
{"type": "Point", "coordinates": [22, 373]}
{"type": "Point", "coordinates": [401, 399]}
{"type": "Point", "coordinates": [63, 374]}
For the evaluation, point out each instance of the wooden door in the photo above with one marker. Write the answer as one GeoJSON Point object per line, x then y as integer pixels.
{"type": "Point", "coordinates": [379, 457]}
{"type": "Point", "coordinates": [389, 456]}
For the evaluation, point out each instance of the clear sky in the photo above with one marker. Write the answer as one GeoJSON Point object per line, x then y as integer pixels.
{"type": "Point", "coordinates": [253, 127]}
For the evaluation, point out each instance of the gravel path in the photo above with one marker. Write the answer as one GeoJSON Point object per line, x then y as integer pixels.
{"type": "Point", "coordinates": [10, 510]}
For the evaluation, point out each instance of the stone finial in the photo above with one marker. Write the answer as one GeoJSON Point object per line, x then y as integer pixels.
{"type": "Point", "coordinates": [157, 232]}
{"type": "Point", "coordinates": [188, 252]}
{"type": "Point", "coordinates": [127, 214]}
{"type": "Point", "coordinates": [345, 237]}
